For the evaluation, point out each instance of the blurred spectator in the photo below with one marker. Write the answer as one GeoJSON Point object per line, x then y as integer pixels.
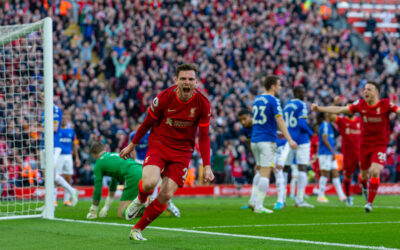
{"type": "Point", "coordinates": [119, 55]}
{"type": "Point", "coordinates": [371, 23]}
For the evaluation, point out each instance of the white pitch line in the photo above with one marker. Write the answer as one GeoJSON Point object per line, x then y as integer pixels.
{"type": "Point", "coordinates": [388, 207]}
{"type": "Point", "coordinates": [237, 235]}
{"type": "Point", "coordinates": [305, 224]}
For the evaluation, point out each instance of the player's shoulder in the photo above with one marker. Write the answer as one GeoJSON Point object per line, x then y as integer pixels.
{"type": "Point", "coordinates": [360, 101]}
{"type": "Point", "coordinates": [272, 99]}
{"type": "Point", "coordinates": [202, 96]}
{"type": "Point", "coordinates": [385, 102]}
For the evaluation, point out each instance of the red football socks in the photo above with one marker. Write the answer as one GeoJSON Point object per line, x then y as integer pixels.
{"type": "Point", "coordinates": [373, 188]}
{"type": "Point", "coordinates": [346, 184]}
{"type": "Point", "coordinates": [142, 194]}
{"type": "Point", "coordinates": [150, 214]}
{"type": "Point", "coordinates": [364, 183]}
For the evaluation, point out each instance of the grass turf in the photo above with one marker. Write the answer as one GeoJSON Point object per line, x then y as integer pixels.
{"type": "Point", "coordinates": [222, 215]}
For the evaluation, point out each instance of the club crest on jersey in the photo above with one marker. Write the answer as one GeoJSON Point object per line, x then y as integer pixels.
{"type": "Point", "coordinates": [192, 111]}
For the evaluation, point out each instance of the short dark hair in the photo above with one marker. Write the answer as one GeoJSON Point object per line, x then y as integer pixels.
{"type": "Point", "coordinates": [320, 117]}
{"type": "Point", "coordinates": [97, 147]}
{"type": "Point", "coordinates": [186, 67]}
{"type": "Point", "coordinates": [270, 80]}
{"type": "Point", "coordinates": [298, 90]}
{"type": "Point", "coordinates": [244, 111]}
{"type": "Point", "coordinates": [377, 86]}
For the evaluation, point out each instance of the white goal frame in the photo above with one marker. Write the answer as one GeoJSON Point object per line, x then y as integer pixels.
{"type": "Point", "coordinates": [47, 29]}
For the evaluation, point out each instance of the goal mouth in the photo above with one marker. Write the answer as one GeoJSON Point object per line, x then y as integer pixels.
{"type": "Point", "coordinates": [26, 76]}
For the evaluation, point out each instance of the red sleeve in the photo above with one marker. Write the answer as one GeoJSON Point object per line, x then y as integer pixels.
{"type": "Point", "coordinates": [157, 106]}
{"type": "Point", "coordinates": [392, 107]}
{"type": "Point", "coordinates": [204, 144]}
{"type": "Point", "coordinates": [205, 115]}
{"type": "Point", "coordinates": [355, 107]}
{"type": "Point", "coordinates": [142, 130]}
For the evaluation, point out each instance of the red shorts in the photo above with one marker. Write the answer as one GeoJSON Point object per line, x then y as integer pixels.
{"type": "Point", "coordinates": [173, 163]}
{"type": "Point", "coordinates": [372, 154]}
{"type": "Point", "coordinates": [350, 164]}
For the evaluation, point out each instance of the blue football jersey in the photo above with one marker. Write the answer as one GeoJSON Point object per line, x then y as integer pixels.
{"type": "Point", "coordinates": [57, 116]}
{"type": "Point", "coordinates": [326, 129]}
{"type": "Point", "coordinates": [265, 109]}
{"type": "Point", "coordinates": [141, 148]}
{"type": "Point", "coordinates": [280, 142]}
{"type": "Point", "coordinates": [67, 136]}
{"type": "Point", "coordinates": [295, 114]}
{"type": "Point", "coordinates": [247, 132]}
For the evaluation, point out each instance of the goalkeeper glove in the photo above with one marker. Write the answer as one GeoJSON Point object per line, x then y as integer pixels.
{"type": "Point", "coordinates": [104, 210]}
{"type": "Point", "coordinates": [92, 212]}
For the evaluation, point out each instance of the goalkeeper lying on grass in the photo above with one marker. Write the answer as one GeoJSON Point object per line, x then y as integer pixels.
{"type": "Point", "coordinates": [128, 172]}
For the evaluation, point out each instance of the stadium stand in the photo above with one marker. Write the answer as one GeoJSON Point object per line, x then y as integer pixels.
{"type": "Point", "coordinates": [111, 58]}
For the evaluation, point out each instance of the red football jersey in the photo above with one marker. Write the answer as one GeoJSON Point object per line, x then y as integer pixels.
{"type": "Point", "coordinates": [375, 125]}
{"type": "Point", "coordinates": [350, 130]}
{"type": "Point", "coordinates": [177, 121]}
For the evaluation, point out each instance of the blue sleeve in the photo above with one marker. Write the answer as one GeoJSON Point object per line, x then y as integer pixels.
{"type": "Point", "coordinates": [304, 126]}
{"type": "Point", "coordinates": [304, 111]}
{"type": "Point", "coordinates": [277, 108]}
{"type": "Point", "coordinates": [325, 129]}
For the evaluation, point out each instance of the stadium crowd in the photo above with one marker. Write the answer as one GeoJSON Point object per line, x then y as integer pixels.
{"type": "Point", "coordinates": [113, 57]}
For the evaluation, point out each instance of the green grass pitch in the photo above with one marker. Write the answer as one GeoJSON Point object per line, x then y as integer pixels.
{"type": "Point", "coordinates": [217, 223]}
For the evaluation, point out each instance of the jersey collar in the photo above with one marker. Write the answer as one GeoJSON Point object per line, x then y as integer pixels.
{"type": "Point", "coordinates": [182, 102]}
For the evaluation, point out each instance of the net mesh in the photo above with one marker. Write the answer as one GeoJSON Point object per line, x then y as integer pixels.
{"type": "Point", "coordinates": [21, 105]}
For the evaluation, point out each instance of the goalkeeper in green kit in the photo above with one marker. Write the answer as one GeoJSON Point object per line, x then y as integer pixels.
{"type": "Point", "coordinates": [128, 172]}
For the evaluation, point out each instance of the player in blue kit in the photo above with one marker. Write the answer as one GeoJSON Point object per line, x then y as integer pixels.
{"type": "Point", "coordinates": [245, 118]}
{"type": "Point", "coordinates": [267, 118]}
{"type": "Point", "coordinates": [139, 155]}
{"type": "Point", "coordinates": [65, 166]}
{"type": "Point", "coordinates": [295, 114]}
{"type": "Point", "coordinates": [326, 158]}
{"type": "Point", "coordinates": [57, 118]}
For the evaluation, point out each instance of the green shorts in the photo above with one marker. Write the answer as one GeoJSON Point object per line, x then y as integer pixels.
{"type": "Point", "coordinates": [131, 185]}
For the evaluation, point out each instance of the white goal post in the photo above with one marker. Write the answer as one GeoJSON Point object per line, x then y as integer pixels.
{"type": "Point", "coordinates": [26, 71]}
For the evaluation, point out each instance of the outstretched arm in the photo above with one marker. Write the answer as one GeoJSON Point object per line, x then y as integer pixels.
{"type": "Point", "coordinates": [331, 109]}
{"type": "Point", "coordinates": [146, 125]}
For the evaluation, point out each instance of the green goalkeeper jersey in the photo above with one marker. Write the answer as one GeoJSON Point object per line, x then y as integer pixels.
{"type": "Point", "coordinates": [120, 170]}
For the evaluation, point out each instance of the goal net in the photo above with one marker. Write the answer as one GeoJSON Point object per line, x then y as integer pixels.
{"type": "Point", "coordinates": [26, 93]}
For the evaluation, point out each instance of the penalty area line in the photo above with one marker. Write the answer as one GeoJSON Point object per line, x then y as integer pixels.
{"type": "Point", "coordinates": [321, 243]}
{"type": "Point", "coordinates": [305, 224]}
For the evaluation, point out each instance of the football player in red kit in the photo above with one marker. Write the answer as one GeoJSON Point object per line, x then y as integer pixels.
{"type": "Point", "coordinates": [349, 127]}
{"type": "Point", "coordinates": [173, 117]}
{"type": "Point", "coordinates": [375, 129]}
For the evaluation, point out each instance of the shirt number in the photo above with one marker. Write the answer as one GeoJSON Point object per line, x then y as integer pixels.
{"type": "Point", "coordinates": [261, 112]}
{"type": "Point", "coordinates": [382, 156]}
{"type": "Point", "coordinates": [290, 120]}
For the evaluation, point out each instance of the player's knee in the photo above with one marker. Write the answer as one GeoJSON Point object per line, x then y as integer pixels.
{"type": "Point", "coordinates": [164, 197]}
{"type": "Point", "coordinates": [374, 172]}
{"type": "Point", "coordinates": [149, 184]}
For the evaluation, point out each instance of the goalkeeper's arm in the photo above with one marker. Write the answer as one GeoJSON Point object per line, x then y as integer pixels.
{"type": "Point", "coordinates": [111, 190]}
{"type": "Point", "coordinates": [109, 200]}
